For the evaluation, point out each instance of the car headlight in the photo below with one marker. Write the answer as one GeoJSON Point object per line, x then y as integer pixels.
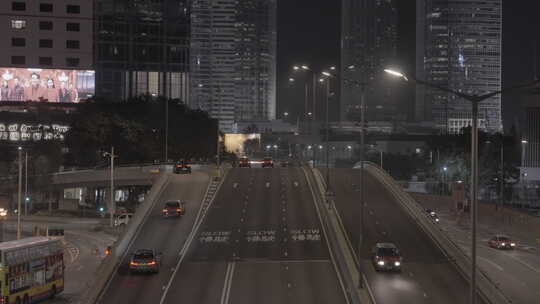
{"type": "Point", "coordinates": [512, 244]}
{"type": "Point", "coordinates": [380, 263]}
{"type": "Point", "coordinates": [436, 220]}
{"type": "Point", "coordinates": [503, 244]}
{"type": "Point", "coordinates": [397, 263]}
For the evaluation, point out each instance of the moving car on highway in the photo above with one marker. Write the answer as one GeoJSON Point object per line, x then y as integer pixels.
{"type": "Point", "coordinates": [386, 256]}
{"type": "Point", "coordinates": [174, 208]}
{"type": "Point", "coordinates": [501, 242]}
{"type": "Point", "coordinates": [268, 162]}
{"type": "Point", "coordinates": [432, 215]}
{"type": "Point", "coordinates": [244, 163]}
{"type": "Point", "coordinates": [144, 260]}
{"type": "Point", "coordinates": [182, 167]}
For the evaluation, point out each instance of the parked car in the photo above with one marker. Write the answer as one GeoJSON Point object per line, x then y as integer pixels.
{"type": "Point", "coordinates": [501, 242]}
{"type": "Point", "coordinates": [386, 256]}
{"type": "Point", "coordinates": [122, 219]}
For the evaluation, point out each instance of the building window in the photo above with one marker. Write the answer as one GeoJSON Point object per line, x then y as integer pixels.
{"type": "Point", "coordinates": [45, 43]}
{"type": "Point", "coordinates": [18, 60]}
{"type": "Point", "coordinates": [72, 44]}
{"type": "Point", "coordinates": [18, 6]}
{"type": "Point", "coordinates": [73, 27]}
{"type": "Point", "coordinates": [45, 7]}
{"type": "Point", "coordinates": [72, 62]}
{"type": "Point", "coordinates": [18, 42]}
{"type": "Point", "coordinates": [18, 24]}
{"type": "Point", "coordinates": [73, 9]}
{"type": "Point", "coordinates": [45, 60]}
{"type": "Point", "coordinates": [45, 25]}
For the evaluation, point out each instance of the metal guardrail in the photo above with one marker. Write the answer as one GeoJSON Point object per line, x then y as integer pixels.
{"type": "Point", "coordinates": [110, 264]}
{"type": "Point", "coordinates": [487, 289]}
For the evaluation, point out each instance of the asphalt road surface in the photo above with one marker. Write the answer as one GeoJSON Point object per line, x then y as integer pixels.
{"type": "Point", "coordinates": [166, 235]}
{"type": "Point", "coordinates": [426, 277]}
{"type": "Point", "coordinates": [261, 242]}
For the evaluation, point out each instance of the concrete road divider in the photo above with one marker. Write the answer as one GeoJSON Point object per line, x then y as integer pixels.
{"type": "Point", "coordinates": [341, 252]}
{"type": "Point", "coordinates": [110, 264]}
{"type": "Point", "coordinates": [487, 289]}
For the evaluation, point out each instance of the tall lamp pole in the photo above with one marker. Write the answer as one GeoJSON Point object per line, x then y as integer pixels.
{"type": "Point", "coordinates": [112, 206]}
{"type": "Point", "coordinates": [475, 100]}
{"type": "Point", "coordinates": [25, 183]}
{"type": "Point", "coordinates": [19, 196]}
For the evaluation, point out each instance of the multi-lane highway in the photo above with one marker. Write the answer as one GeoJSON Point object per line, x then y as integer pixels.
{"type": "Point", "coordinates": [261, 242]}
{"type": "Point", "coordinates": [427, 276]}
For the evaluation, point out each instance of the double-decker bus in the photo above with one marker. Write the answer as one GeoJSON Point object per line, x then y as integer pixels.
{"type": "Point", "coordinates": [31, 269]}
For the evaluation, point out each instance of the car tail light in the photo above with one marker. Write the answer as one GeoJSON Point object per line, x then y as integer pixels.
{"type": "Point", "coordinates": [178, 210]}
{"type": "Point", "coordinates": [164, 210]}
{"type": "Point", "coordinates": [152, 263]}
{"type": "Point", "coordinates": [133, 263]}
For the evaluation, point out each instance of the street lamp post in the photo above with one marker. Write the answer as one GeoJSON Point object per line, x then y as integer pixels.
{"type": "Point", "coordinates": [475, 100]}
{"type": "Point", "coordinates": [19, 196]}
{"type": "Point", "coordinates": [112, 206]}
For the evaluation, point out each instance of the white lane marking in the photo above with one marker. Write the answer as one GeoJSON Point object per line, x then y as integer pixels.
{"type": "Point", "coordinates": [267, 184]}
{"type": "Point", "coordinates": [491, 263]}
{"type": "Point", "coordinates": [226, 292]}
{"type": "Point", "coordinates": [295, 184]}
{"type": "Point", "coordinates": [235, 185]}
{"type": "Point", "coordinates": [523, 263]}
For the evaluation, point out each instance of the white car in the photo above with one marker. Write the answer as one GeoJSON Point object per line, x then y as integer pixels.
{"type": "Point", "coordinates": [122, 219]}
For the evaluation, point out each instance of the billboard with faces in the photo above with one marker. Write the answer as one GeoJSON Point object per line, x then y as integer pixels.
{"type": "Point", "coordinates": [46, 85]}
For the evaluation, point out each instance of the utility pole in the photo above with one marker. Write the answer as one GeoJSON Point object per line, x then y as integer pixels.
{"type": "Point", "coordinates": [362, 148]}
{"type": "Point", "coordinates": [25, 183]}
{"type": "Point", "coordinates": [166, 130]}
{"type": "Point", "coordinates": [19, 196]}
{"type": "Point", "coordinates": [218, 157]}
{"type": "Point", "coordinates": [112, 206]}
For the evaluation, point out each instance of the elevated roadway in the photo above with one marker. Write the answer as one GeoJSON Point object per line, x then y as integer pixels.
{"type": "Point", "coordinates": [427, 276]}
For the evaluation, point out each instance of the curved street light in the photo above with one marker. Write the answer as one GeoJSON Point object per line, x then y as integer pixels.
{"type": "Point", "coordinates": [475, 100]}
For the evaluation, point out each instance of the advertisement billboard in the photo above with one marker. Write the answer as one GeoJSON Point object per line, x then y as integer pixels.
{"type": "Point", "coordinates": [46, 85]}
{"type": "Point", "coordinates": [15, 132]}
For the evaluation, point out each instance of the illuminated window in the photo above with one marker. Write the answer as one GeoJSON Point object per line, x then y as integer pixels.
{"type": "Point", "coordinates": [18, 24]}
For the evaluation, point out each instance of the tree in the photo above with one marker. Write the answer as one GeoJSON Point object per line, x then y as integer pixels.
{"type": "Point", "coordinates": [136, 128]}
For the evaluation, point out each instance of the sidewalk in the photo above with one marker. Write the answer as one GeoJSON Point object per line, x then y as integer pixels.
{"type": "Point", "coordinates": [523, 228]}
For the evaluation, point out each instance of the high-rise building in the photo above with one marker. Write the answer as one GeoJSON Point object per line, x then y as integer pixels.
{"type": "Point", "coordinates": [47, 52]}
{"type": "Point", "coordinates": [531, 132]}
{"type": "Point", "coordinates": [368, 45]}
{"type": "Point", "coordinates": [233, 58]}
{"type": "Point", "coordinates": [142, 47]}
{"type": "Point", "coordinates": [459, 47]}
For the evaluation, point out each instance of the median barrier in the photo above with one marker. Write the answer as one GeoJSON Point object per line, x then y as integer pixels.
{"type": "Point", "coordinates": [111, 263]}
{"type": "Point", "coordinates": [486, 288]}
{"type": "Point", "coordinates": [341, 252]}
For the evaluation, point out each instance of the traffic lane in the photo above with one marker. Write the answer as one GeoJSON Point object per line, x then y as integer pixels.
{"type": "Point", "coordinates": [302, 217]}
{"type": "Point", "coordinates": [201, 275]}
{"type": "Point", "coordinates": [294, 282]}
{"type": "Point", "coordinates": [512, 272]}
{"type": "Point", "coordinates": [435, 279]}
{"type": "Point", "coordinates": [215, 279]}
{"type": "Point", "coordinates": [216, 237]}
{"type": "Point", "coordinates": [165, 236]}
{"type": "Point", "coordinates": [263, 216]}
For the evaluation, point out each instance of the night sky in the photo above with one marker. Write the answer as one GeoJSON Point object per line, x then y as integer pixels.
{"type": "Point", "coordinates": [308, 32]}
